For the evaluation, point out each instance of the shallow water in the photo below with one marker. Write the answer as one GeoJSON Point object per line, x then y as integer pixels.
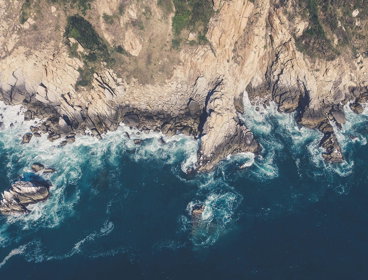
{"type": "Point", "coordinates": [120, 210]}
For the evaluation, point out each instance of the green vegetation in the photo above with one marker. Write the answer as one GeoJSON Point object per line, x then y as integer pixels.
{"type": "Point", "coordinates": [121, 50]}
{"type": "Point", "coordinates": [82, 5]}
{"type": "Point", "coordinates": [25, 11]}
{"type": "Point", "coordinates": [82, 31]}
{"type": "Point", "coordinates": [332, 21]}
{"type": "Point", "coordinates": [166, 5]}
{"type": "Point", "coordinates": [109, 19]}
{"type": "Point", "coordinates": [96, 50]}
{"type": "Point", "coordinates": [190, 16]}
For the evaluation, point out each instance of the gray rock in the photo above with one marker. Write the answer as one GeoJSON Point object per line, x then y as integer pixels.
{"type": "Point", "coordinates": [63, 143]}
{"type": "Point", "coordinates": [34, 128]}
{"type": "Point", "coordinates": [194, 108]}
{"type": "Point", "coordinates": [21, 194]}
{"type": "Point", "coordinates": [356, 108]}
{"type": "Point", "coordinates": [239, 104]}
{"type": "Point", "coordinates": [53, 136]}
{"type": "Point", "coordinates": [339, 117]}
{"type": "Point", "coordinates": [28, 115]}
{"type": "Point", "coordinates": [27, 138]}
{"type": "Point", "coordinates": [37, 166]}
{"type": "Point", "coordinates": [36, 134]}
{"type": "Point", "coordinates": [49, 170]}
{"type": "Point", "coordinates": [70, 138]}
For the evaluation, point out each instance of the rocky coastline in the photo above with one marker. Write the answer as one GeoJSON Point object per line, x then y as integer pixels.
{"type": "Point", "coordinates": [136, 76]}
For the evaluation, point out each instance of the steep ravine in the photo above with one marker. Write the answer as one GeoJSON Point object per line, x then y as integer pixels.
{"type": "Point", "coordinates": [135, 72]}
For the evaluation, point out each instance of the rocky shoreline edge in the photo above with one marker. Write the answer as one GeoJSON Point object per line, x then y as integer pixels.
{"type": "Point", "coordinates": [192, 121]}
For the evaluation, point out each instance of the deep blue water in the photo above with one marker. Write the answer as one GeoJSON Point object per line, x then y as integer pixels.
{"type": "Point", "coordinates": [121, 211]}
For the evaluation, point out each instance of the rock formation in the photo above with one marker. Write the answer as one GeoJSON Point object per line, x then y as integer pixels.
{"type": "Point", "coordinates": [20, 195]}
{"type": "Point", "coordinates": [31, 189]}
{"type": "Point", "coordinates": [139, 66]}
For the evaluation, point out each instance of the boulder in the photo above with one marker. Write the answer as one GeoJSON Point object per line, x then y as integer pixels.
{"type": "Point", "coordinates": [28, 115]}
{"type": "Point", "coordinates": [63, 143]}
{"type": "Point", "coordinates": [48, 170]}
{"type": "Point", "coordinates": [36, 167]}
{"type": "Point", "coordinates": [22, 194]}
{"type": "Point", "coordinates": [53, 136]}
{"type": "Point", "coordinates": [339, 117]}
{"type": "Point", "coordinates": [27, 138]}
{"type": "Point", "coordinates": [356, 108]}
{"type": "Point", "coordinates": [70, 138]}
{"type": "Point", "coordinates": [194, 108]}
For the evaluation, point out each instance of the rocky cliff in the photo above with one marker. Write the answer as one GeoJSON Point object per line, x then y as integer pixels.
{"type": "Point", "coordinates": [184, 66]}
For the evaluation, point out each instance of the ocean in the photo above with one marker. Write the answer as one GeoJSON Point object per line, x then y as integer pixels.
{"type": "Point", "coordinates": [120, 210]}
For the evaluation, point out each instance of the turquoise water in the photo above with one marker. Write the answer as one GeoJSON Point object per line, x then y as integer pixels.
{"type": "Point", "coordinates": [121, 211]}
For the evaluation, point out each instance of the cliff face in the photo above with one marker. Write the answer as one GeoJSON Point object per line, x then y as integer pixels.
{"type": "Point", "coordinates": [182, 69]}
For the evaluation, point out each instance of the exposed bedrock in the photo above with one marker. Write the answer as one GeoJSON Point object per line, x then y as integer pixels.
{"type": "Point", "coordinates": [195, 89]}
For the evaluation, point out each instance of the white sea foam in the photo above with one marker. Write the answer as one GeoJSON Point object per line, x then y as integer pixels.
{"type": "Point", "coordinates": [17, 251]}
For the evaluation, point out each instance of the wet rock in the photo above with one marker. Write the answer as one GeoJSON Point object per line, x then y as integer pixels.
{"type": "Point", "coordinates": [333, 152]}
{"type": "Point", "coordinates": [49, 170]}
{"type": "Point", "coordinates": [36, 167]}
{"type": "Point", "coordinates": [131, 120]}
{"type": "Point", "coordinates": [95, 133]}
{"type": "Point", "coordinates": [53, 136]}
{"type": "Point", "coordinates": [36, 134]}
{"type": "Point", "coordinates": [356, 108]}
{"type": "Point", "coordinates": [137, 141]}
{"type": "Point", "coordinates": [34, 129]}
{"type": "Point", "coordinates": [20, 195]}
{"type": "Point", "coordinates": [27, 138]}
{"type": "Point", "coordinates": [325, 127]}
{"type": "Point", "coordinates": [28, 115]}
{"type": "Point", "coordinates": [63, 143]}
{"type": "Point", "coordinates": [70, 139]}
{"type": "Point", "coordinates": [339, 117]}
{"type": "Point", "coordinates": [239, 104]}
{"type": "Point", "coordinates": [249, 138]}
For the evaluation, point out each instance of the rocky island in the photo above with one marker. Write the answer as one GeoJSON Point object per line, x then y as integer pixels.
{"type": "Point", "coordinates": [184, 66]}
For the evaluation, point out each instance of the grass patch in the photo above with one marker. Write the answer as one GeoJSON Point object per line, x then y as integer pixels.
{"type": "Point", "coordinates": [330, 20]}
{"type": "Point", "coordinates": [166, 6]}
{"type": "Point", "coordinates": [109, 19]}
{"type": "Point", "coordinates": [190, 16]}
{"type": "Point", "coordinates": [82, 5]}
{"type": "Point", "coordinates": [96, 50]}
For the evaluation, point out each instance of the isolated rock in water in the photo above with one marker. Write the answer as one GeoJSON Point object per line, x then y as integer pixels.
{"type": "Point", "coordinates": [26, 138]}
{"type": "Point", "coordinates": [24, 193]}
{"type": "Point", "coordinates": [37, 167]}
{"type": "Point", "coordinates": [48, 170]}
{"type": "Point", "coordinates": [356, 108]}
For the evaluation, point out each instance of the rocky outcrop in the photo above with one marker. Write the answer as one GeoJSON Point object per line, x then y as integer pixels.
{"type": "Point", "coordinates": [21, 194]}
{"type": "Point", "coordinates": [194, 89]}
